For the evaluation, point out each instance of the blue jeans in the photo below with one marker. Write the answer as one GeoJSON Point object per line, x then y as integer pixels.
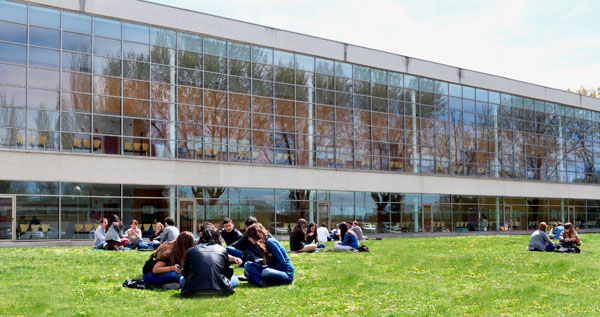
{"type": "Point", "coordinates": [141, 244]}
{"type": "Point", "coordinates": [550, 247]}
{"type": "Point", "coordinates": [155, 244]}
{"type": "Point", "coordinates": [161, 278]}
{"type": "Point", "coordinates": [233, 280]}
{"type": "Point", "coordinates": [257, 273]}
{"type": "Point", "coordinates": [235, 252]}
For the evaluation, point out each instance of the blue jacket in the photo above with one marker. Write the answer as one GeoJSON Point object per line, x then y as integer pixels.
{"type": "Point", "coordinates": [280, 261]}
{"type": "Point", "coordinates": [557, 231]}
{"type": "Point", "coordinates": [351, 240]}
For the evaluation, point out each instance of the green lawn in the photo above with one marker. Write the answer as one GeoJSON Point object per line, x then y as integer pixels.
{"type": "Point", "coordinates": [483, 275]}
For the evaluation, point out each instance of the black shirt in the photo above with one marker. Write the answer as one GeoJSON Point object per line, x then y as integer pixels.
{"type": "Point", "coordinates": [206, 270]}
{"type": "Point", "coordinates": [231, 237]}
{"type": "Point", "coordinates": [297, 240]}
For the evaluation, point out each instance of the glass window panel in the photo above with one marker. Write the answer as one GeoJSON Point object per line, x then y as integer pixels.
{"type": "Point", "coordinates": [468, 92]}
{"type": "Point", "coordinates": [189, 42]}
{"type": "Point", "coordinates": [13, 11]}
{"type": "Point", "coordinates": [239, 51]}
{"type": "Point", "coordinates": [455, 90]}
{"type": "Point", "coordinates": [136, 108]}
{"type": "Point", "coordinates": [107, 47]}
{"type": "Point", "coordinates": [189, 77]}
{"type": "Point", "coordinates": [107, 66]}
{"type": "Point", "coordinates": [12, 96]}
{"type": "Point", "coordinates": [481, 94]}
{"type": "Point", "coordinates": [43, 57]}
{"type": "Point", "coordinates": [76, 122]}
{"type": "Point", "coordinates": [324, 66]}
{"type": "Point", "coordinates": [109, 86]}
{"type": "Point", "coordinates": [261, 71]}
{"type": "Point", "coordinates": [163, 37]}
{"type": "Point", "coordinates": [44, 37]}
{"type": "Point", "coordinates": [262, 55]}
{"type": "Point", "coordinates": [107, 27]}
{"type": "Point", "coordinates": [42, 120]}
{"type": "Point", "coordinates": [77, 62]}
{"type": "Point", "coordinates": [13, 32]}
{"type": "Point", "coordinates": [136, 51]}
{"type": "Point", "coordinates": [214, 46]}
{"type": "Point", "coordinates": [440, 87]}
{"type": "Point", "coordinates": [305, 63]}
{"type": "Point", "coordinates": [343, 69]}
{"type": "Point", "coordinates": [11, 74]}
{"type": "Point", "coordinates": [239, 68]}
{"type": "Point", "coordinates": [136, 32]}
{"type": "Point", "coordinates": [78, 102]}
{"type": "Point", "coordinates": [395, 79]}
{"type": "Point", "coordinates": [12, 117]}
{"type": "Point", "coordinates": [215, 64]}
{"type": "Point", "coordinates": [107, 125]}
{"type": "Point", "coordinates": [42, 210]}
{"type": "Point", "coordinates": [42, 98]}
{"type": "Point", "coordinates": [189, 60]}
{"type": "Point", "coordinates": [262, 88]}
{"type": "Point", "coordinates": [411, 82]}
{"type": "Point", "coordinates": [362, 73]}
{"type": "Point", "coordinates": [136, 70]}
{"type": "Point", "coordinates": [77, 42]}
{"type": "Point", "coordinates": [284, 59]}
{"type": "Point", "coordinates": [494, 97]}
{"type": "Point", "coordinates": [43, 78]}
{"type": "Point", "coordinates": [240, 85]}
{"type": "Point", "coordinates": [163, 55]}
{"type": "Point", "coordinates": [13, 53]}
{"type": "Point", "coordinates": [163, 73]}
{"type": "Point", "coordinates": [107, 105]}
{"type": "Point", "coordinates": [136, 127]}
{"type": "Point", "coordinates": [379, 76]}
{"type": "Point", "coordinates": [77, 22]}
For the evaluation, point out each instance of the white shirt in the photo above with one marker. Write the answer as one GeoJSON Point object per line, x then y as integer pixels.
{"type": "Point", "coordinates": [322, 234]}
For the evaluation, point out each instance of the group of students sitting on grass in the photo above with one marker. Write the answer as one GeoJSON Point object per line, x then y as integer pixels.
{"type": "Point", "coordinates": [109, 235]}
{"type": "Point", "coordinates": [305, 237]}
{"type": "Point", "coordinates": [568, 240]}
{"type": "Point", "coordinates": [202, 266]}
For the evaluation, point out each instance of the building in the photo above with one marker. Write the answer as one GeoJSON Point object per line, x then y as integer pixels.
{"type": "Point", "coordinates": [149, 111]}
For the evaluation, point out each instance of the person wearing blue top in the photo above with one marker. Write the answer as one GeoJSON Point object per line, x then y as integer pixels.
{"type": "Point", "coordinates": [556, 231]}
{"type": "Point", "coordinates": [349, 240]}
{"type": "Point", "coordinates": [279, 269]}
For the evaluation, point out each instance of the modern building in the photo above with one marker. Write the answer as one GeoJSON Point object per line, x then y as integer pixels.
{"type": "Point", "coordinates": [149, 111]}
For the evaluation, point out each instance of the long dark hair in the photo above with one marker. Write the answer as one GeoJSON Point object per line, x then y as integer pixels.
{"type": "Point", "coordinates": [343, 230]}
{"type": "Point", "coordinates": [210, 234]}
{"type": "Point", "coordinates": [115, 219]}
{"type": "Point", "coordinates": [259, 234]}
{"type": "Point", "coordinates": [310, 226]}
{"type": "Point", "coordinates": [299, 230]}
{"type": "Point", "coordinates": [174, 252]}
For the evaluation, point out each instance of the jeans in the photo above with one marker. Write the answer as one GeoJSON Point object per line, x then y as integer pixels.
{"type": "Point", "coordinates": [233, 280]}
{"type": "Point", "coordinates": [257, 273]}
{"type": "Point", "coordinates": [339, 247]}
{"type": "Point", "coordinates": [155, 244]}
{"type": "Point", "coordinates": [138, 244]}
{"type": "Point", "coordinates": [161, 278]}
{"type": "Point", "coordinates": [235, 252]}
{"type": "Point", "coordinates": [550, 247]}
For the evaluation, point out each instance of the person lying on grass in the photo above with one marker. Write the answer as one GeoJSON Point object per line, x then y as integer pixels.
{"type": "Point", "coordinates": [164, 265]}
{"type": "Point", "coordinates": [279, 269]}
{"type": "Point", "coordinates": [206, 267]}
{"type": "Point", "coordinates": [539, 241]}
{"type": "Point", "coordinates": [298, 238]}
{"type": "Point", "coordinates": [349, 240]}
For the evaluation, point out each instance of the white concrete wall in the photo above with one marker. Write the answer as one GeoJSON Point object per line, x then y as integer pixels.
{"type": "Point", "coordinates": [170, 17]}
{"type": "Point", "coordinates": [46, 166]}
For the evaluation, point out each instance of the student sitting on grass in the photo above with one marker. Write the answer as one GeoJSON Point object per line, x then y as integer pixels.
{"type": "Point", "coordinates": [335, 233]}
{"type": "Point", "coordinates": [206, 269]}
{"type": "Point", "coordinates": [164, 265]}
{"type": "Point", "coordinates": [100, 234]}
{"type": "Point", "coordinates": [298, 238]}
{"type": "Point", "coordinates": [279, 269]}
{"type": "Point", "coordinates": [245, 250]}
{"type": "Point", "coordinates": [229, 233]}
{"type": "Point", "coordinates": [539, 241]}
{"type": "Point", "coordinates": [349, 240]}
{"type": "Point", "coordinates": [323, 234]}
{"type": "Point", "coordinates": [556, 231]}
{"type": "Point", "coordinates": [170, 233]}
{"type": "Point", "coordinates": [134, 236]}
{"type": "Point", "coordinates": [114, 234]}
{"type": "Point", "coordinates": [157, 232]}
{"type": "Point", "coordinates": [311, 236]}
{"type": "Point", "coordinates": [357, 230]}
{"type": "Point", "coordinates": [569, 240]}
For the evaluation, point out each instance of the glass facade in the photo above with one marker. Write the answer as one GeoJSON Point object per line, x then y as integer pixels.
{"type": "Point", "coordinates": [52, 210]}
{"type": "Point", "coordinates": [73, 82]}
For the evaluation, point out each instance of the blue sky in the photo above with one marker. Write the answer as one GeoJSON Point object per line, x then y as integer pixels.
{"type": "Point", "coordinates": [554, 43]}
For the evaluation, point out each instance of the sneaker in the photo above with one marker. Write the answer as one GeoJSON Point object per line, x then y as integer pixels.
{"type": "Point", "coordinates": [243, 278]}
{"type": "Point", "coordinates": [263, 283]}
{"type": "Point", "coordinates": [171, 286]}
{"type": "Point", "coordinates": [120, 248]}
{"type": "Point", "coordinates": [105, 247]}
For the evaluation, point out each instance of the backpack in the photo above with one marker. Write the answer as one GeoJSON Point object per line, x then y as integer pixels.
{"type": "Point", "coordinates": [137, 282]}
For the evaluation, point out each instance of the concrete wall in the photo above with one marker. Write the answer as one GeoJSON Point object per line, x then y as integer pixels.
{"type": "Point", "coordinates": [64, 167]}
{"type": "Point", "coordinates": [170, 17]}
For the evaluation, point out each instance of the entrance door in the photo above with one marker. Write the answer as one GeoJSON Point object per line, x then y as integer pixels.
{"type": "Point", "coordinates": [324, 215]}
{"type": "Point", "coordinates": [187, 215]}
{"type": "Point", "coordinates": [427, 216]}
{"type": "Point", "coordinates": [508, 217]}
{"type": "Point", "coordinates": [571, 216]}
{"type": "Point", "coordinates": [7, 218]}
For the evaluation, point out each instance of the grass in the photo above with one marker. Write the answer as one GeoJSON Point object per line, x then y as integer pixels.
{"type": "Point", "coordinates": [483, 275]}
